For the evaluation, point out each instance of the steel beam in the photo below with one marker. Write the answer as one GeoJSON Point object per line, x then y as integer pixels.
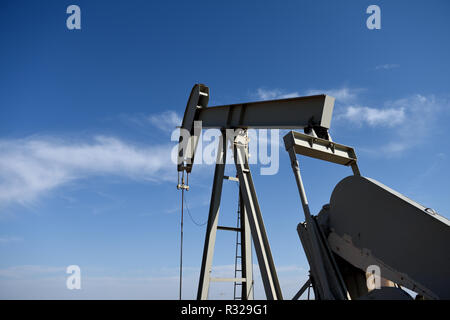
{"type": "Point", "coordinates": [246, 253]}
{"type": "Point", "coordinates": [228, 280]}
{"type": "Point", "coordinates": [228, 228]}
{"type": "Point", "coordinates": [318, 148]}
{"type": "Point", "coordinates": [302, 290]}
{"type": "Point", "coordinates": [198, 99]}
{"type": "Point", "coordinates": [293, 113]}
{"type": "Point", "coordinates": [289, 113]}
{"type": "Point", "coordinates": [213, 218]}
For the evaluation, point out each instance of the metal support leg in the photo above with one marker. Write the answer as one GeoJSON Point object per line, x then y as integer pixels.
{"type": "Point", "coordinates": [253, 212]}
{"type": "Point", "coordinates": [302, 289]}
{"type": "Point", "coordinates": [213, 218]}
{"type": "Point", "coordinates": [246, 254]}
{"type": "Point", "coordinates": [355, 169]}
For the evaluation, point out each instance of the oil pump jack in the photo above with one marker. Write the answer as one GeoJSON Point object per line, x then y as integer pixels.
{"type": "Point", "coordinates": [365, 226]}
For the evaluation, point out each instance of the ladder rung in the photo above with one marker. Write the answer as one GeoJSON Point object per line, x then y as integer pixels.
{"type": "Point", "coordinates": [229, 228]}
{"type": "Point", "coordinates": [228, 279]}
{"type": "Point", "coordinates": [231, 178]}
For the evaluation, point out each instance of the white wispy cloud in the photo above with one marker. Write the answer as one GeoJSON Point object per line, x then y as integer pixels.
{"type": "Point", "coordinates": [32, 167]}
{"type": "Point", "coordinates": [10, 239]}
{"type": "Point", "coordinates": [411, 119]}
{"type": "Point", "coordinates": [166, 121]}
{"type": "Point", "coordinates": [48, 282]}
{"type": "Point", "coordinates": [421, 115]}
{"type": "Point", "coordinates": [387, 66]}
{"type": "Point", "coordinates": [269, 94]}
{"type": "Point", "coordinates": [342, 95]}
{"type": "Point", "coordinates": [372, 116]}
{"type": "Point", "coordinates": [26, 271]}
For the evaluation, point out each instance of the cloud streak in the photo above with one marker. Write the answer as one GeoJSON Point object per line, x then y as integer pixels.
{"type": "Point", "coordinates": [48, 282]}
{"type": "Point", "coordinates": [422, 114]}
{"type": "Point", "coordinates": [387, 66]}
{"type": "Point", "coordinates": [166, 121]}
{"type": "Point", "coordinates": [342, 95]}
{"type": "Point", "coordinates": [373, 117]}
{"type": "Point", "coordinates": [9, 239]}
{"type": "Point", "coordinates": [32, 167]}
{"type": "Point", "coordinates": [270, 94]}
{"type": "Point", "coordinates": [411, 121]}
{"type": "Point", "coordinates": [408, 119]}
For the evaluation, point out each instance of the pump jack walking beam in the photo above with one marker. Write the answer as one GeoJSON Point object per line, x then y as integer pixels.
{"type": "Point", "coordinates": [309, 113]}
{"type": "Point", "coordinates": [312, 113]}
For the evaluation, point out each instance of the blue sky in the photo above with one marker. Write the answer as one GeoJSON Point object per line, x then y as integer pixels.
{"type": "Point", "coordinates": [86, 118]}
